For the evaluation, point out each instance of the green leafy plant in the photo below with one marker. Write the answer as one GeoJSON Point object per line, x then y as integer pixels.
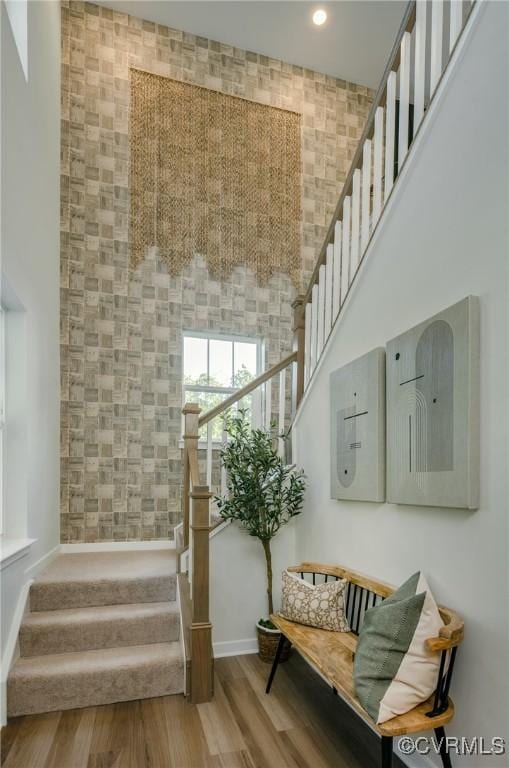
{"type": "Point", "coordinates": [267, 624]}
{"type": "Point", "coordinates": [263, 493]}
{"type": "Point", "coordinates": [208, 400]}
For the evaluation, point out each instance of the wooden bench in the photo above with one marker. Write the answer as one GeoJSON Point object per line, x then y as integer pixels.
{"type": "Point", "coordinates": [332, 654]}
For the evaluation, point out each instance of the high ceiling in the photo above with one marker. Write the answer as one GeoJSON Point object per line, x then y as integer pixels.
{"type": "Point", "coordinates": [354, 43]}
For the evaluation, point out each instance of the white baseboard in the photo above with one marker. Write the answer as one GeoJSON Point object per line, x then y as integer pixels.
{"type": "Point", "coordinates": [42, 563]}
{"type": "Point", "coordinates": [117, 546]}
{"type": "Point", "coordinates": [10, 647]}
{"type": "Point", "coordinates": [235, 647]}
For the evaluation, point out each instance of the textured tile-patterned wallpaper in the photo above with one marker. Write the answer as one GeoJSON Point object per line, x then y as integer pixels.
{"type": "Point", "coordinates": [121, 330]}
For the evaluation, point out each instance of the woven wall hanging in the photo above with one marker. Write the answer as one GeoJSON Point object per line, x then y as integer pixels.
{"type": "Point", "coordinates": [216, 175]}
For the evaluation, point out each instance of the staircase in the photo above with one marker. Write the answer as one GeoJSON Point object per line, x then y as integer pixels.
{"type": "Point", "coordinates": [102, 628]}
{"type": "Point", "coordinates": [105, 627]}
{"type": "Point", "coordinates": [426, 45]}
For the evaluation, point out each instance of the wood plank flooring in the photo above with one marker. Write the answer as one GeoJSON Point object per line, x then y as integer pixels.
{"type": "Point", "coordinates": [300, 725]}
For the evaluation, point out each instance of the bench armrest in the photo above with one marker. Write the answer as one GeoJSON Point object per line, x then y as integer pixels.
{"type": "Point", "coordinates": [450, 635]}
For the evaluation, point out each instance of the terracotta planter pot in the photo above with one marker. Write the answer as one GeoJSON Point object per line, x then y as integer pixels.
{"type": "Point", "coordinates": [268, 640]}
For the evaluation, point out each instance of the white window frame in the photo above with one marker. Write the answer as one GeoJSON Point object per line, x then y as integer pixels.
{"type": "Point", "coordinates": [227, 391]}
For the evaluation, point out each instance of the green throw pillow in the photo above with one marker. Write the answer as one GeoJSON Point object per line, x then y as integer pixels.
{"type": "Point", "coordinates": [393, 669]}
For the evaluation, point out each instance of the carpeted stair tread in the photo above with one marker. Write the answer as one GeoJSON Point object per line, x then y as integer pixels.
{"type": "Point", "coordinates": [91, 678]}
{"type": "Point", "coordinates": [80, 629]}
{"type": "Point", "coordinates": [105, 578]}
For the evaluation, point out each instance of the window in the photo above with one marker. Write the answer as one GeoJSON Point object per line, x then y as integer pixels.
{"type": "Point", "coordinates": [214, 367]}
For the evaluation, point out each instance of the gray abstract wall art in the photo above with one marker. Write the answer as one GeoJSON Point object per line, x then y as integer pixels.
{"type": "Point", "coordinates": [357, 410]}
{"type": "Point", "coordinates": [433, 410]}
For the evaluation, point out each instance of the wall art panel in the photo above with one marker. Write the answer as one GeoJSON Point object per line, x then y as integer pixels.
{"type": "Point", "coordinates": [357, 407]}
{"type": "Point", "coordinates": [433, 410]}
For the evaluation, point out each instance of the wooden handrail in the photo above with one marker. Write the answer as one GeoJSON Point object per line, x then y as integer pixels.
{"type": "Point", "coordinates": [407, 25]}
{"type": "Point", "coordinates": [240, 393]}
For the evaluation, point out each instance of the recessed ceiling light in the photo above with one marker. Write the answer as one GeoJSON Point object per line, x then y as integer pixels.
{"type": "Point", "coordinates": [319, 17]}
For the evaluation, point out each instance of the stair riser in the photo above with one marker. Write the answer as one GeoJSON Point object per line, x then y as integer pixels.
{"type": "Point", "coordinates": [68, 594]}
{"type": "Point", "coordinates": [27, 696]}
{"type": "Point", "coordinates": [58, 638]}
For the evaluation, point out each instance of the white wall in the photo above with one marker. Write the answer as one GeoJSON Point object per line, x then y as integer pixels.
{"type": "Point", "coordinates": [444, 237]}
{"type": "Point", "coordinates": [30, 131]}
{"type": "Point", "coordinates": [238, 584]}
{"type": "Point", "coordinates": [17, 11]}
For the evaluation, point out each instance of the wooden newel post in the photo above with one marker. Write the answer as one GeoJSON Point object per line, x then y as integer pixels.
{"type": "Point", "coordinates": [299, 340]}
{"type": "Point", "coordinates": [191, 413]}
{"type": "Point", "coordinates": [201, 628]}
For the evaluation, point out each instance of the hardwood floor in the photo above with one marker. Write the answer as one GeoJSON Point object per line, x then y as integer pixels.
{"type": "Point", "coordinates": [300, 725]}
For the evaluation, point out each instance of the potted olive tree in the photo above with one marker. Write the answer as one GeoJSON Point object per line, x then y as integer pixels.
{"type": "Point", "coordinates": [263, 493]}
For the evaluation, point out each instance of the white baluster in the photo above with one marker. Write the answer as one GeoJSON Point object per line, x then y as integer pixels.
{"type": "Point", "coordinates": [366, 196]}
{"type": "Point", "coordinates": [328, 292]}
{"type": "Point", "coordinates": [356, 210]}
{"type": "Point", "coordinates": [345, 250]}
{"type": "Point", "coordinates": [224, 440]}
{"type": "Point", "coordinates": [390, 133]}
{"type": "Point", "coordinates": [404, 98]}
{"type": "Point", "coordinates": [321, 311]}
{"type": "Point", "coordinates": [268, 402]}
{"type": "Point", "coordinates": [282, 402]}
{"type": "Point", "coordinates": [456, 22]}
{"type": "Point", "coordinates": [209, 454]}
{"type": "Point", "coordinates": [377, 165]}
{"type": "Point", "coordinates": [314, 328]}
{"type": "Point", "coordinates": [420, 62]}
{"type": "Point", "coordinates": [336, 272]}
{"type": "Point", "coordinates": [307, 344]}
{"type": "Point", "coordinates": [437, 30]}
{"type": "Point", "coordinates": [256, 408]}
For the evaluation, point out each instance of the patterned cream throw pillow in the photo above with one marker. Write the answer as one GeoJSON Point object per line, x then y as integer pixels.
{"type": "Point", "coordinates": [317, 605]}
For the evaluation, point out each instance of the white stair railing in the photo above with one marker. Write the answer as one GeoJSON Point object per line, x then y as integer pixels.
{"type": "Point", "coordinates": [429, 32]}
{"type": "Point", "coordinates": [262, 414]}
